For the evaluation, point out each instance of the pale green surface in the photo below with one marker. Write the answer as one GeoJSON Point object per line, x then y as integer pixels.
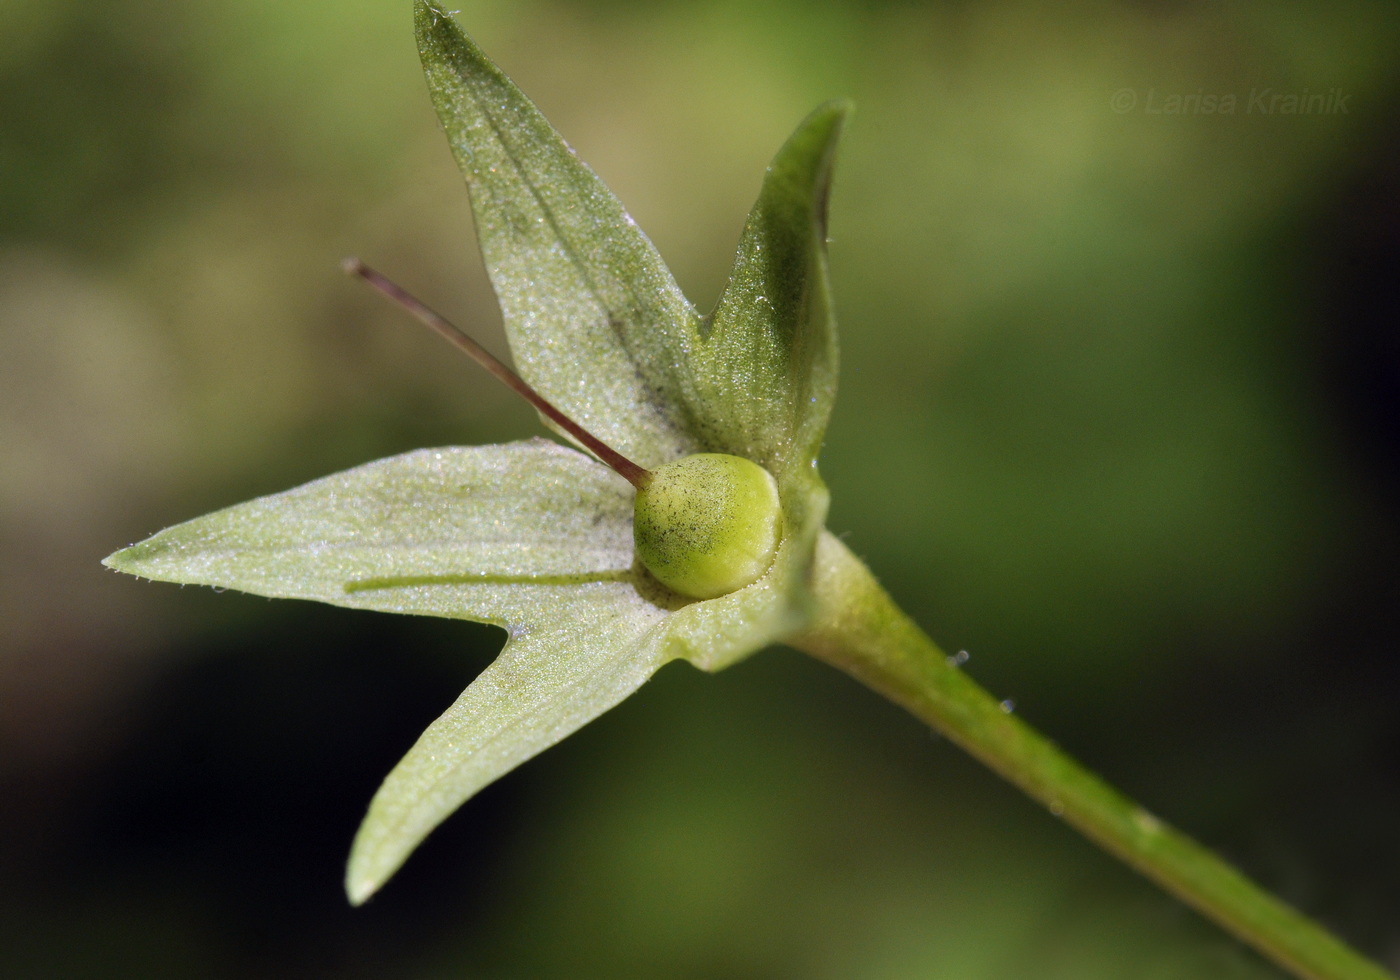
{"type": "Point", "coordinates": [775, 315]}
{"type": "Point", "coordinates": [533, 536]}
{"type": "Point", "coordinates": [738, 618]}
{"type": "Point", "coordinates": [458, 532]}
{"type": "Point", "coordinates": [708, 524]}
{"type": "Point", "coordinates": [595, 321]}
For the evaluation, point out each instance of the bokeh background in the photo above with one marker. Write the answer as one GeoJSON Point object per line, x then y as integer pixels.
{"type": "Point", "coordinates": [1118, 417]}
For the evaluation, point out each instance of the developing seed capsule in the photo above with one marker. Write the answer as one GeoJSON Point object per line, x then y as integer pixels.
{"type": "Point", "coordinates": [704, 525]}
{"type": "Point", "coordinates": [707, 525]}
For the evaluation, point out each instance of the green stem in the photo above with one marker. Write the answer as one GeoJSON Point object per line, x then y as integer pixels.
{"type": "Point", "coordinates": [861, 631]}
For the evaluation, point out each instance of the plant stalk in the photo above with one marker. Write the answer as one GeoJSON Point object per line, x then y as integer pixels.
{"type": "Point", "coordinates": [861, 631]}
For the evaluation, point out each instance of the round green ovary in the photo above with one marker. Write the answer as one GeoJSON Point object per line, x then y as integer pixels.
{"type": "Point", "coordinates": [708, 524]}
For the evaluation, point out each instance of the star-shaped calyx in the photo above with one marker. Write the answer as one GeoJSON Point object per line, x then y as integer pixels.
{"type": "Point", "coordinates": [539, 537]}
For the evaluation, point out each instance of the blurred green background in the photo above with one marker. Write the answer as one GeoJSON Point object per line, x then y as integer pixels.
{"type": "Point", "coordinates": [1118, 417]}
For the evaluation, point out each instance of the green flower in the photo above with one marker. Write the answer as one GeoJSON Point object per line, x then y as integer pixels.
{"type": "Point", "coordinates": [566, 554]}
{"type": "Point", "coordinates": [535, 536]}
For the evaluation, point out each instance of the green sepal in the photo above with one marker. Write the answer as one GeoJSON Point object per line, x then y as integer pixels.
{"type": "Point", "coordinates": [531, 536]}
{"type": "Point", "coordinates": [595, 321]}
{"type": "Point", "coordinates": [497, 534]}
{"type": "Point", "coordinates": [551, 679]}
{"type": "Point", "coordinates": [767, 370]}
